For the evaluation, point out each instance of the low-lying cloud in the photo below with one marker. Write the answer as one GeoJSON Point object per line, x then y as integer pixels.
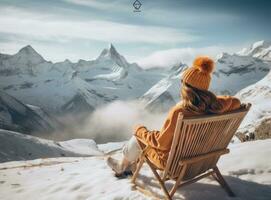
{"type": "Point", "coordinates": [111, 123]}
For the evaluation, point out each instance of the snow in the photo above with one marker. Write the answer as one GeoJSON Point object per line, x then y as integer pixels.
{"type": "Point", "coordinates": [76, 169]}
{"type": "Point", "coordinates": [259, 95]}
{"type": "Point", "coordinates": [17, 146]}
{"type": "Point", "coordinates": [81, 146]}
{"type": "Point", "coordinates": [53, 86]}
{"type": "Point", "coordinates": [50, 119]}
{"type": "Point", "coordinates": [260, 49]}
{"type": "Point", "coordinates": [165, 93]}
{"type": "Point", "coordinates": [33, 80]}
{"type": "Point", "coordinates": [233, 72]}
{"type": "Point", "coordinates": [29, 119]}
{"type": "Point", "coordinates": [111, 146]}
{"type": "Point", "coordinates": [247, 169]}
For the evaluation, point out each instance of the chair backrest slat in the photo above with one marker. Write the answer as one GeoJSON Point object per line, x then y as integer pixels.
{"type": "Point", "coordinates": [200, 135]}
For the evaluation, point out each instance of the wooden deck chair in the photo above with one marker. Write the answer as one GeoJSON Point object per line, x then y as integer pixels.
{"type": "Point", "coordinates": [197, 145]}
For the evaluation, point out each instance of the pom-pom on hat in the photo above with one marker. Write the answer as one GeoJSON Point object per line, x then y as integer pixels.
{"type": "Point", "coordinates": [199, 75]}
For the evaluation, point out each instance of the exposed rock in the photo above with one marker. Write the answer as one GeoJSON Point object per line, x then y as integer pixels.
{"type": "Point", "coordinates": [260, 131]}
{"type": "Point", "coordinates": [263, 131]}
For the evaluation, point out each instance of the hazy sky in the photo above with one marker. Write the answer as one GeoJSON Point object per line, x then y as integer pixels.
{"type": "Point", "coordinates": [164, 32]}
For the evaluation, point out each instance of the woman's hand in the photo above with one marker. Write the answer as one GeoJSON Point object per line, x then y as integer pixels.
{"type": "Point", "coordinates": [137, 127]}
{"type": "Point", "coordinates": [244, 106]}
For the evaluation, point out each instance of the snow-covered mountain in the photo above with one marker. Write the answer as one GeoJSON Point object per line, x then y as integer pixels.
{"type": "Point", "coordinates": [165, 93]}
{"type": "Point", "coordinates": [28, 81]}
{"type": "Point", "coordinates": [235, 72]}
{"type": "Point", "coordinates": [73, 87]}
{"type": "Point", "coordinates": [26, 61]}
{"type": "Point", "coordinates": [67, 87]}
{"type": "Point", "coordinates": [258, 121]}
{"type": "Point", "coordinates": [232, 73]}
{"type": "Point", "coordinates": [260, 49]}
{"type": "Point", "coordinates": [14, 115]}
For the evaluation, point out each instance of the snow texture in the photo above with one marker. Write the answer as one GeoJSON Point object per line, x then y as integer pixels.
{"type": "Point", "coordinates": [17, 146]}
{"type": "Point", "coordinates": [247, 169]}
{"type": "Point", "coordinates": [259, 95]}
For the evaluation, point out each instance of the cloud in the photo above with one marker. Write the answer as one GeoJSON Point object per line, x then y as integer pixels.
{"type": "Point", "coordinates": [53, 34]}
{"type": "Point", "coordinates": [171, 57]}
{"type": "Point", "coordinates": [112, 122]}
{"type": "Point", "coordinates": [54, 28]}
{"type": "Point", "coordinates": [101, 5]}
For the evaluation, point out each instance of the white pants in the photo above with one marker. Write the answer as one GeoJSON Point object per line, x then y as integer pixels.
{"type": "Point", "coordinates": [131, 150]}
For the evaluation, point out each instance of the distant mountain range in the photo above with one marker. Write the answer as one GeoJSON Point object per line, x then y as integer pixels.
{"type": "Point", "coordinates": [33, 91]}
{"type": "Point", "coordinates": [260, 49]}
{"type": "Point", "coordinates": [74, 87]}
{"type": "Point", "coordinates": [67, 87]}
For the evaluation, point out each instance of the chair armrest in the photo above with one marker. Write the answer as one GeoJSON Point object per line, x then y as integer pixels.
{"type": "Point", "coordinates": [203, 156]}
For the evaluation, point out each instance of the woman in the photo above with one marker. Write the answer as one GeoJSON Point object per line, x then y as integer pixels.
{"type": "Point", "coordinates": [196, 100]}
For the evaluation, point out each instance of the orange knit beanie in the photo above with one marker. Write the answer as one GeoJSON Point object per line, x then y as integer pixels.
{"type": "Point", "coordinates": [199, 75]}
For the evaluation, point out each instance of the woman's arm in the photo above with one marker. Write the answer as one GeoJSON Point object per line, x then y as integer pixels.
{"type": "Point", "coordinates": [159, 139]}
{"type": "Point", "coordinates": [229, 103]}
{"type": "Point", "coordinates": [147, 137]}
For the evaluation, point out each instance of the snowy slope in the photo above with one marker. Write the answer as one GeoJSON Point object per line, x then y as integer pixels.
{"type": "Point", "coordinates": [14, 115]}
{"type": "Point", "coordinates": [90, 178]}
{"type": "Point", "coordinates": [259, 94]}
{"type": "Point", "coordinates": [165, 93]}
{"type": "Point", "coordinates": [17, 146]}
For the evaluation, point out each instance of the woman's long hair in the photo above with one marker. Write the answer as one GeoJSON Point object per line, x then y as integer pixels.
{"type": "Point", "coordinates": [199, 101]}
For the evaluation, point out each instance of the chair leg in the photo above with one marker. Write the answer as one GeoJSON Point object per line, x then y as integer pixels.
{"type": "Point", "coordinates": [160, 181]}
{"type": "Point", "coordinates": [176, 185]}
{"type": "Point", "coordinates": [215, 177]}
{"type": "Point", "coordinates": [139, 165]}
{"type": "Point", "coordinates": [218, 176]}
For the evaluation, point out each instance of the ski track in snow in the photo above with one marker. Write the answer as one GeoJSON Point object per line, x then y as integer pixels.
{"type": "Point", "coordinates": [247, 169]}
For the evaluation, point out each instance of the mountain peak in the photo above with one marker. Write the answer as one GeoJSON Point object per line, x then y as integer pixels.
{"type": "Point", "coordinates": [112, 54]}
{"type": "Point", "coordinates": [109, 52]}
{"type": "Point", "coordinates": [28, 49]}
{"type": "Point", "coordinates": [30, 55]}
{"type": "Point", "coordinates": [111, 47]}
{"type": "Point", "coordinates": [67, 61]}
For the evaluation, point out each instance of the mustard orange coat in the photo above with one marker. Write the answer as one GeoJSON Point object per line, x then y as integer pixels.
{"type": "Point", "coordinates": [160, 141]}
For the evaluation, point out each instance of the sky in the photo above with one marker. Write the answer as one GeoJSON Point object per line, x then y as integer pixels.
{"type": "Point", "coordinates": [162, 34]}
